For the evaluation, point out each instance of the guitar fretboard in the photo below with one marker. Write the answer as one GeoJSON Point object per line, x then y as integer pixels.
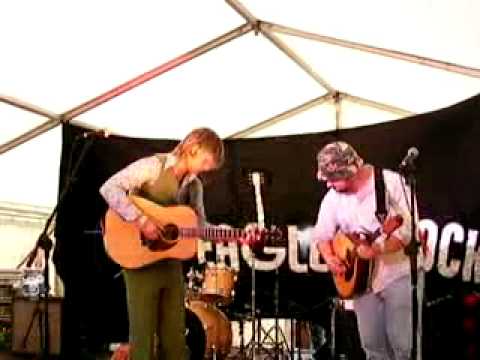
{"type": "Point", "coordinates": [212, 233]}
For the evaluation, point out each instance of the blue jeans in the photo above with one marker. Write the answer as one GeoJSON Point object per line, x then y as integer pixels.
{"type": "Point", "coordinates": [384, 321]}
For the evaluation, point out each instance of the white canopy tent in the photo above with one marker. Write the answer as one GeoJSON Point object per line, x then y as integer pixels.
{"type": "Point", "coordinates": [242, 67]}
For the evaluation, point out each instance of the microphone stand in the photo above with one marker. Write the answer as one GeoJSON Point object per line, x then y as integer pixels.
{"type": "Point", "coordinates": [412, 251]}
{"type": "Point", "coordinates": [253, 305]}
{"type": "Point", "coordinates": [44, 242]}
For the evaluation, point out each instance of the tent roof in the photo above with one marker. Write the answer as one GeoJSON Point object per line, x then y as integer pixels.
{"type": "Point", "coordinates": [267, 67]}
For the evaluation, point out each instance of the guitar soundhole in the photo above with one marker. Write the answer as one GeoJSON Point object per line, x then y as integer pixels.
{"type": "Point", "coordinates": [169, 238]}
{"type": "Point", "coordinates": [170, 232]}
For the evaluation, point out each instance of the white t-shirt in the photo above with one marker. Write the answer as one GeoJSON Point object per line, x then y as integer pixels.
{"type": "Point", "coordinates": [356, 213]}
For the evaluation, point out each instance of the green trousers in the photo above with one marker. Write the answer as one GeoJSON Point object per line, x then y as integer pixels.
{"type": "Point", "coordinates": [156, 311]}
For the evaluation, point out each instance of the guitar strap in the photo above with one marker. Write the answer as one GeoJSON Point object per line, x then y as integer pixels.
{"type": "Point", "coordinates": [381, 211]}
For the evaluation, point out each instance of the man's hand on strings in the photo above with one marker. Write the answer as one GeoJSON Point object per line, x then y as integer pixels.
{"type": "Point", "coordinates": [335, 265]}
{"type": "Point", "coordinates": [148, 228]}
{"type": "Point", "coordinates": [367, 252]}
{"type": "Point", "coordinates": [254, 236]}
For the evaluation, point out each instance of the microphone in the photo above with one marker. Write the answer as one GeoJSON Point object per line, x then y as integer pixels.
{"type": "Point", "coordinates": [100, 133]}
{"type": "Point", "coordinates": [408, 160]}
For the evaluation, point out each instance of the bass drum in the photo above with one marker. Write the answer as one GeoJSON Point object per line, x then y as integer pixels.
{"type": "Point", "coordinates": [208, 331]}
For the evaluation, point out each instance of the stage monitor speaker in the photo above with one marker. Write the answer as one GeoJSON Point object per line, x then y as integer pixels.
{"type": "Point", "coordinates": [26, 331]}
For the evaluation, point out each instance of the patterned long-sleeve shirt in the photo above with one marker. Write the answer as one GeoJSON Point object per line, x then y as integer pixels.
{"type": "Point", "coordinates": [143, 171]}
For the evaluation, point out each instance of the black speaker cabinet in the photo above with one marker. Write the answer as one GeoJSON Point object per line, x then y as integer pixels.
{"type": "Point", "coordinates": [27, 313]}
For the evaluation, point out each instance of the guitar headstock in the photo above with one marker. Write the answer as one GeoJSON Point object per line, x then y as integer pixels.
{"type": "Point", "coordinates": [256, 178]}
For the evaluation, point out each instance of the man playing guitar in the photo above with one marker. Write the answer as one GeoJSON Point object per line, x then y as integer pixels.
{"type": "Point", "coordinates": [383, 306]}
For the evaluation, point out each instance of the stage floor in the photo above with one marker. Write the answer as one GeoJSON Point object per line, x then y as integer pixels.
{"type": "Point", "coordinates": [234, 354]}
{"type": "Point", "coordinates": [10, 356]}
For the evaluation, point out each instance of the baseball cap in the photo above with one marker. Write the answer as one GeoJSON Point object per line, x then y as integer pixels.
{"type": "Point", "coordinates": [338, 160]}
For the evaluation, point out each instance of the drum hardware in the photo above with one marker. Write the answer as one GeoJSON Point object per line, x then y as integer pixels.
{"type": "Point", "coordinates": [301, 339]}
{"type": "Point", "coordinates": [256, 342]}
{"type": "Point", "coordinates": [218, 284]}
{"type": "Point", "coordinates": [208, 331]}
{"type": "Point", "coordinates": [339, 333]}
{"type": "Point", "coordinates": [279, 345]}
{"type": "Point", "coordinates": [272, 341]}
{"type": "Point", "coordinates": [336, 307]}
{"type": "Point", "coordinates": [255, 178]}
{"type": "Point", "coordinates": [194, 284]}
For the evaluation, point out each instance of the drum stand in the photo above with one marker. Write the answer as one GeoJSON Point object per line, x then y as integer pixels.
{"type": "Point", "coordinates": [279, 346]}
{"type": "Point", "coordinates": [256, 341]}
{"type": "Point", "coordinates": [251, 346]}
{"type": "Point", "coordinates": [271, 346]}
{"type": "Point", "coordinates": [336, 305]}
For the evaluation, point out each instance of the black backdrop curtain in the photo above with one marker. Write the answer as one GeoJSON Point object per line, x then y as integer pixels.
{"type": "Point", "coordinates": [447, 176]}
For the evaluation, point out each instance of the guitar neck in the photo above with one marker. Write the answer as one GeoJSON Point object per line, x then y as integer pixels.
{"type": "Point", "coordinates": [212, 233]}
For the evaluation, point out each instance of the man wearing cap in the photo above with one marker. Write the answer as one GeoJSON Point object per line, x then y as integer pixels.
{"type": "Point", "coordinates": [384, 310]}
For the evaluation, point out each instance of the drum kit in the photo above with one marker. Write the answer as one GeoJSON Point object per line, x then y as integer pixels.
{"type": "Point", "coordinates": [208, 329]}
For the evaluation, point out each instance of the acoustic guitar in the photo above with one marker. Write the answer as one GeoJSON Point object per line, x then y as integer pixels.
{"type": "Point", "coordinates": [180, 231]}
{"type": "Point", "coordinates": [356, 278]}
